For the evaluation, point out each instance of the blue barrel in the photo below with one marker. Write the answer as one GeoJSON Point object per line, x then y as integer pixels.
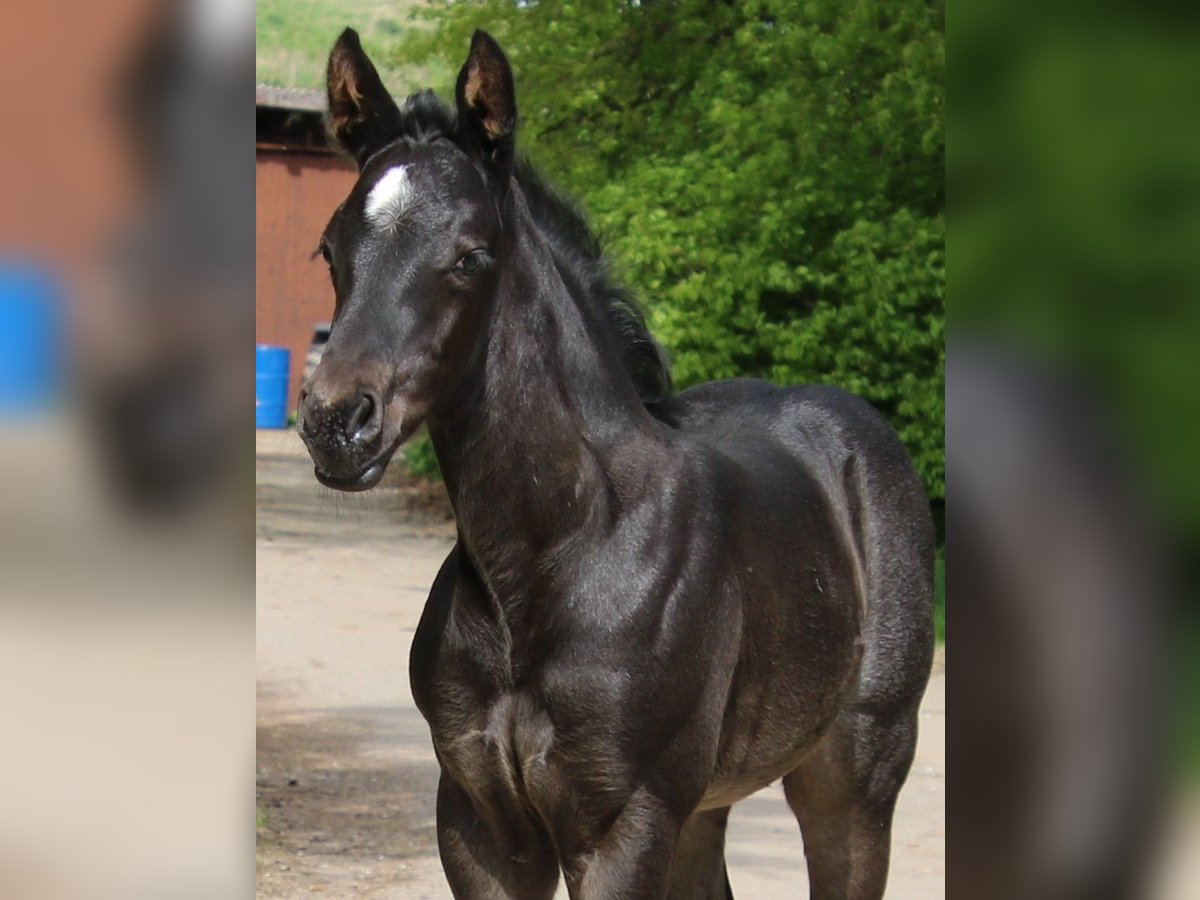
{"type": "Point", "coordinates": [271, 386]}
{"type": "Point", "coordinates": [31, 339]}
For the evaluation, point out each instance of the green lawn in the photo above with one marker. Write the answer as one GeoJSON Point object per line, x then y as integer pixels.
{"type": "Point", "coordinates": [293, 38]}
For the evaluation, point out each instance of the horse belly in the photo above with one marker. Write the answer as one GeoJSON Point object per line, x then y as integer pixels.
{"type": "Point", "coordinates": [798, 668]}
{"type": "Point", "coordinates": [732, 789]}
{"type": "Point", "coordinates": [750, 759]}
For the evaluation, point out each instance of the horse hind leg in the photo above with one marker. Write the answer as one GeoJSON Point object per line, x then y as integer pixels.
{"type": "Point", "coordinates": [698, 869]}
{"type": "Point", "coordinates": [844, 795]}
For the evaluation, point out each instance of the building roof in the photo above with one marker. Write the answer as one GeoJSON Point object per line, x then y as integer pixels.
{"type": "Point", "coordinates": [299, 99]}
{"type": "Point", "coordinates": [290, 120]}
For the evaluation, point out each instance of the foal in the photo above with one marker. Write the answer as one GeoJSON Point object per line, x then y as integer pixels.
{"type": "Point", "coordinates": [657, 604]}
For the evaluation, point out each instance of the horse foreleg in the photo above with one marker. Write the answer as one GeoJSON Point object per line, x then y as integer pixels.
{"type": "Point", "coordinates": [698, 872]}
{"type": "Point", "coordinates": [632, 860]}
{"type": "Point", "coordinates": [491, 860]}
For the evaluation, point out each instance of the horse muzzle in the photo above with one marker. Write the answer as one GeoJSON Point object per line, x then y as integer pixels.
{"type": "Point", "coordinates": [346, 437]}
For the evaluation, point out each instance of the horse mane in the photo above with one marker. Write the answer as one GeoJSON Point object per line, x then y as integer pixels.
{"type": "Point", "coordinates": [587, 273]}
{"type": "Point", "coordinates": [578, 255]}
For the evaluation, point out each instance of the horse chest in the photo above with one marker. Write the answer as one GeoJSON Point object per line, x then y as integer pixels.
{"type": "Point", "coordinates": [511, 758]}
{"type": "Point", "coordinates": [501, 753]}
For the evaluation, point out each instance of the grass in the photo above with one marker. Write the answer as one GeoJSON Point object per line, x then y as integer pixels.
{"type": "Point", "coordinates": [293, 38]}
{"type": "Point", "coordinates": [260, 828]}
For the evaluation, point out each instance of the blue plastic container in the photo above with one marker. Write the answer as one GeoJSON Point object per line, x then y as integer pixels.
{"type": "Point", "coordinates": [30, 339]}
{"type": "Point", "coordinates": [271, 366]}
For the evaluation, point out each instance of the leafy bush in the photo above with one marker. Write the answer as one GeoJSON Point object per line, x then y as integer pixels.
{"type": "Point", "coordinates": [421, 460]}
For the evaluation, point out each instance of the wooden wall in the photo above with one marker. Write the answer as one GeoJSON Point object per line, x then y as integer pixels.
{"type": "Point", "coordinates": [296, 193]}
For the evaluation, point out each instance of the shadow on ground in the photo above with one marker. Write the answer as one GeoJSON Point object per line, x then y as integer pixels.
{"type": "Point", "coordinates": [337, 815]}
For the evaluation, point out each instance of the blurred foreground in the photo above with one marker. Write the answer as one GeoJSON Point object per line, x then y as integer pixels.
{"type": "Point", "coordinates": [1071, 452]}
{"type": "Point", "coordinates": [126, 616]}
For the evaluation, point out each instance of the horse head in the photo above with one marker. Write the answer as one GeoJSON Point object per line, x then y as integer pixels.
{"type": "Point", "coordinates": [413, 255]}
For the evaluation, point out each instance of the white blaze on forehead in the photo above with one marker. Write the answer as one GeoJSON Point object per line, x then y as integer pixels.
{"type": "Point", "coordinates": [392, 194]}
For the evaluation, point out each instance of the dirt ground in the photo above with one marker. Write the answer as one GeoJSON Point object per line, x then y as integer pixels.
{"type": "Point", "coordinates": [346, 774]}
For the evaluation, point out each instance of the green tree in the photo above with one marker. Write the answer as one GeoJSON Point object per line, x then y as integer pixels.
{"type": "Point", "coordinates": [769, 177]}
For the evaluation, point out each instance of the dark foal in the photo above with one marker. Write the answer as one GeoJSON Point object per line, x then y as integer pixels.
{"type": "Point", "coordinates": [657, 604]}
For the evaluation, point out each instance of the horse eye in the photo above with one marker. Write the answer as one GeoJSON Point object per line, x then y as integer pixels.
{"type": "Point", "coordinates": [470, 264]}
{"type": "Point", "coordinates": [324, 250]}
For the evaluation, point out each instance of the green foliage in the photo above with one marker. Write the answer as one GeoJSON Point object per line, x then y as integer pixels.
{"type": "Point", "coordinates": [771, 183]}
{"type": "Point", "coordinates": [420, 457]}
{"type": "Point", "coordinates": [1076, 241]}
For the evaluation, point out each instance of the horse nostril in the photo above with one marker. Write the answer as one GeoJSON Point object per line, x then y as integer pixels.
{"type": "Point", "coordinates": [302, 411]}
{"type": "Point", "coordinates": [364, 424]}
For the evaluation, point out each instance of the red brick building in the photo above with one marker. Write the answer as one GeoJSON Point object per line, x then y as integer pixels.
{"type": "Point", "coordinates": [298, 180]}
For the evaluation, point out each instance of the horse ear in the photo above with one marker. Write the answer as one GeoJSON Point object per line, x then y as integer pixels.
{"type": "Point", "coordinates": [487, 103]}
{"type": "Point", "coordinates": [362, 114]}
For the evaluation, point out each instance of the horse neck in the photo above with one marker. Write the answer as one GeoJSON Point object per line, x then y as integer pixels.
{"type": "Point", "coordinates": [547, 432]}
